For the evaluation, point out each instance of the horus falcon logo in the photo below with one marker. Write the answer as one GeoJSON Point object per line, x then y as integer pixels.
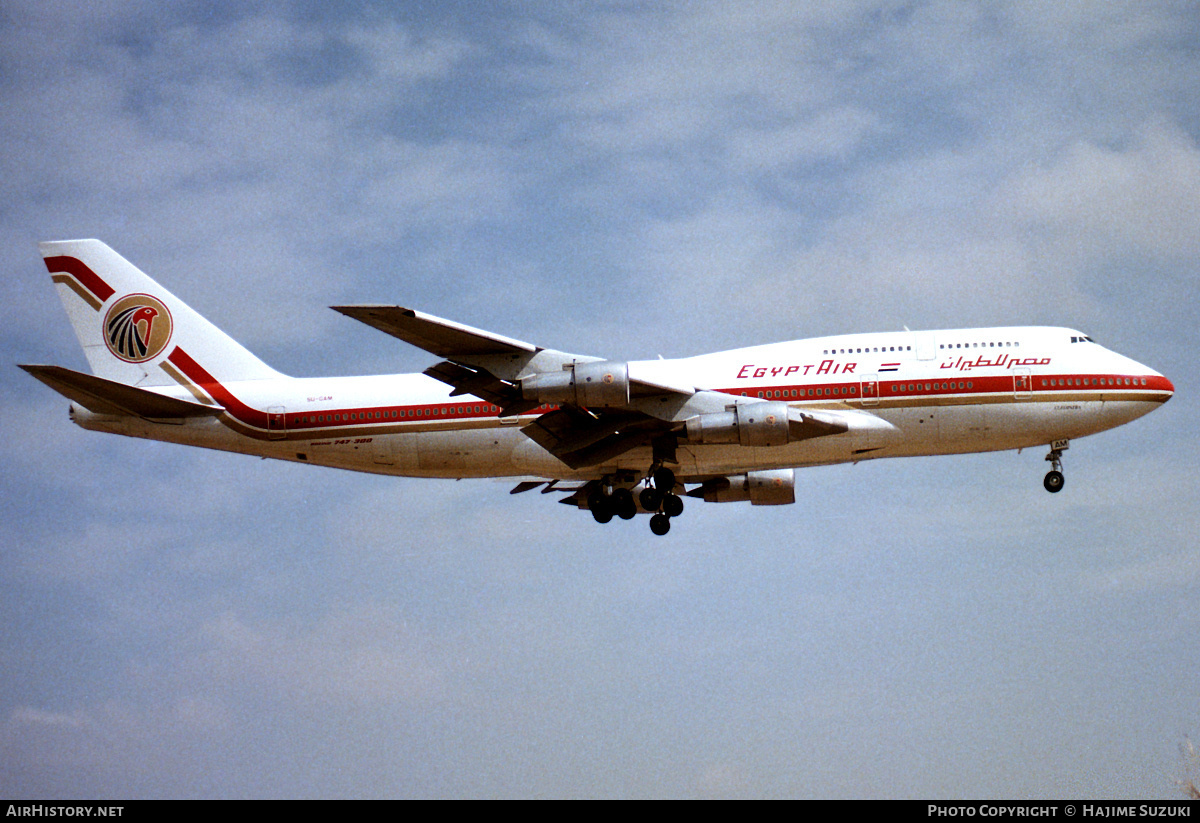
{"type": "Point", "coordinates": [137, 328]}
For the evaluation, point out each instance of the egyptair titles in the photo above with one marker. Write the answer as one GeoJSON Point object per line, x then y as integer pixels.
{"type": "Point", "coordinates": [755, 371]}
{"type": "Point", "coordinates": [751, 370]}
{"type": "Point", "coordinates": [1000, 361]}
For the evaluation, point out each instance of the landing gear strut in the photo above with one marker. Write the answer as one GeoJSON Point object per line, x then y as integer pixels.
{"type": "Point", "coordinates": [1054, 478]}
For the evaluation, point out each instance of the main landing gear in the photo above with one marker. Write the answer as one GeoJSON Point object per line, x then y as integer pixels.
{"type": "Point", "coordinates": [663, 498]}
{"type": "Point", "coordinates": [604, 505]}
{"type": "Point", "coordinates": [657, 496]}
{"type": "Point", "coordinates": [1054, 478]}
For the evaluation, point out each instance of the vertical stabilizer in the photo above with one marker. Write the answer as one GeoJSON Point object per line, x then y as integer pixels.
{"type": "Point", "coordinates": [132, 329]}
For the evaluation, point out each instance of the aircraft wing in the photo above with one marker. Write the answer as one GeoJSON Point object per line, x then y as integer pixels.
{"type": "Point", "coordinates": [445, 338]}
{"type": "Point", "coordinates": [600, 409]}
{"type": "Point", "coordinates": [482, 363]}
{"type": "Point", "coordinates": [477, 362]}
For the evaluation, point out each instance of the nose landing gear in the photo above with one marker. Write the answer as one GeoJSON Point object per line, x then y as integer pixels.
{"type": "Point", "coordinates": [1054, 480]}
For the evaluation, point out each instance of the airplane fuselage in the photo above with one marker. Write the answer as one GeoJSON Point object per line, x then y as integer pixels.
{"type": "Point", "coordinates": [943, 392]}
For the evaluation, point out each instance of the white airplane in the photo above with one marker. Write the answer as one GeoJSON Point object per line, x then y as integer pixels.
{"type": "Point", "coordinates": [618, 438]}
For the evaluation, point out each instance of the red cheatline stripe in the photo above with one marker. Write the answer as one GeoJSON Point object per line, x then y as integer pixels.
{"type": "Point", "coordinates": [253, 417]}
{"type": "Point", "coordinates": [906, 391]}
{"type": "Point", "coordinates": [198, 375]}
{"type": "Point", "coordinates": [88, 278]}
{"type": "Point", "coordinates": [1086, 386]}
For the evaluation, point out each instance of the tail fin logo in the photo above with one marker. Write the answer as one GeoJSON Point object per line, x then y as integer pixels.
{"type": "Point", "coordinates": [137, 328]}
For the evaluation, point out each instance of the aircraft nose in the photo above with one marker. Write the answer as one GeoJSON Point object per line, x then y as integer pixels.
{"type": "Point", "coordinates": [1162, 387]}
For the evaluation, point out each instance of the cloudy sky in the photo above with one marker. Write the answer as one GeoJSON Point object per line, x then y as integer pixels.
{"type": "Point", "coordinates": [626, 179]}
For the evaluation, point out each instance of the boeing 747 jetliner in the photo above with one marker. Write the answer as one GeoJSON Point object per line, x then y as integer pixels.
{"type": "Point", "coordinates": [616, 438]}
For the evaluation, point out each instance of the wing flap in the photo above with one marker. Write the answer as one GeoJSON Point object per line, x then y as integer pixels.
{"type": "Point", "coordinates": [567, 430]}
{"type": "Point", "coordinates": [102, 396]}
{"type": "Point", "coordinates": [581, 439]}
{"type": "Point", "coordinates": [482, 384]}
{"type": "Point", "coordinates": [526, 485]}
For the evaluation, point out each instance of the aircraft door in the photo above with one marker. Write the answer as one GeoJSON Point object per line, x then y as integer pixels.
{"type": "Point", "coordinates": [276, 422]}
{"type": "Point", "coordinates": [1022, 384]}
{"type": "Point", "coordinates": [926, 345]}
{"type": "Point", "coordinates": [869, 387]}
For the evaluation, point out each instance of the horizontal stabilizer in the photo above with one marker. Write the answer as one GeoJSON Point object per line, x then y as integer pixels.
{"type": "Point", "coordinates": [102, 396]}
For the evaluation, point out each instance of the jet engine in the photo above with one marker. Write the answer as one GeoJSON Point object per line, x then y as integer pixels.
{"type": "Point", "coordinates": [601, 384]}
{"type": "Point", "coordinates": [776, 487]}
{"type": "Point", "coordinates": [768, 423]}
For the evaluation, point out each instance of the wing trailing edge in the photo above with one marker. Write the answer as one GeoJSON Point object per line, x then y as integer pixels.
{"type": "Point", "coordinates": [445, 338]}
{"type": "Point", "coordinates": [482, 384]}
{"type": "Point", "coordinates": [504, 357]}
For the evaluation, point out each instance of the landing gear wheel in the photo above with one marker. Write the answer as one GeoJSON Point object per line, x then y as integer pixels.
{"type": "Point", "coordinates": [622, 503]}
{"type": "Point", "coordinates": [660, 524]}
{"type": "Point", "coordinates": [1054, 478]}
{"type": "Point", "coordinates": [601, 506]}
{"type": "Point", "coordinates": [650, 499]}
{"type": "Point", "coordinates": [664, 480]}
{"type": "Point", "coordinates": [672, 505]}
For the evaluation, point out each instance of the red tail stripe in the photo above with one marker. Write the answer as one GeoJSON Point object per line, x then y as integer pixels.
{"type": "Point", "coordinates": [86, 277]}
{"type": "Point", "coordinates": [198, 375]}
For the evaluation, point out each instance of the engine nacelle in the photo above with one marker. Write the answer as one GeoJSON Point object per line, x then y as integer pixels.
{"type": "Point", "coordinates": [594, 385]}
{"type": "Point", "coordinates": [776, 487]}
{"type": "Point", "coordinates": [747, 424]}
